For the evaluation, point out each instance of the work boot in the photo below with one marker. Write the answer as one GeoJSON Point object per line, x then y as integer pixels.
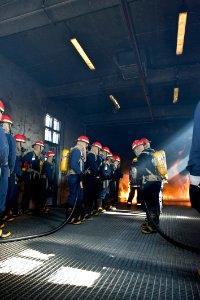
{"type": "Point", "coordinates": [10, 218]}
{"type": "Point", "coordinates": [147, 229]}
{"type": "Point", "coordinates": [101, 210]}
{"type": "Point", "coordinates": [112, 207]}
{"type": "Point", "coordinates": [71, 220]}
{"type": "Point", "coordinates": [4, 234]}
{"type": "Point", "coordinates": [76, 222]}
{"type": "Point", "coordinates": [95, 213]}
{"type": "Point", "coordinates": [2, 225]}
{"type": "Point", "coordinates": [87, 216]}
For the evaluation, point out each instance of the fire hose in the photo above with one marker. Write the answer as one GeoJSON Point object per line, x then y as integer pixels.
{"type": "Point", "coordinates": [28, 237]}
{"type": "Point", "coordinates": [168, 238]}
{"type": "Point", "coordinates": [155, 227]}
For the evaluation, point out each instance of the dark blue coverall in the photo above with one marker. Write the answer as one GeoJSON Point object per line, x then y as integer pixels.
{"type": "Point", "coordinates": [194, 162]}
{"type": "Point", "coordinates": [149, 189]}
{"type": "Point", "coordinates": [76, 167]}
{"type": "Point", "coordinates": [105, 174]}
{"type": "Point", "coordinates": [4, 152]}
{"type": "Point", "coordinates": [46, 182]}
{"type": "Point", "coordinates": [91, 182]}
{"type": "Point", "coordinates": [118, 176]}
{"type": "Point", "coordinates": [18, 172]}
{"type": "Point", "coordinates": [11, 166]}
{"type": "Point", "coordinates": [31, 181]}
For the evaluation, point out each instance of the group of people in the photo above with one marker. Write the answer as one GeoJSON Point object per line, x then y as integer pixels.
{"type": "Point", "coordinates": [147, 178]}
{"type": "Point", "coordinates": [93, 178]}
{"type": "Point", "coordinates": [34, 169]}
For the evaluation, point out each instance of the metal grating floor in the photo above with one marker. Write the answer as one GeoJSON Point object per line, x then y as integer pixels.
{"type": "Point", "coordinates": [106, 257]}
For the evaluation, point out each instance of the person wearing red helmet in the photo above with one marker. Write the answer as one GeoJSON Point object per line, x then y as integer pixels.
{"type": "Point", "coordinates": [150, 186]}
{"type": "Point", "coordinates": [138, 148]}
{"type": "Point", "coordinates": [111, 195]}
{"type": "Point", "coordinates": [147, 145]}
{"type": "Point", "coordinates": [4, 152]}
{"type": "Point", "coordinates": [133, 181]}
{"type": "Point", "coordinates": [75, 177]}
{"type": "Point", "coordinates": [105, 174]}
{"type": "Point", "coordinates": [92, 180]}
{"type": "Point", "coordinates": [7, 124]}
{"type": "Point", "coordinates": [32, 164]}
{"type": "Point", "coordinates": [15, 205]}
{"type": "Point", "coordinates": [20, 141]}
{"type": "Point", "coordinates": [47, 179]}
{"type": "Point", "coordinates": [118, 176]}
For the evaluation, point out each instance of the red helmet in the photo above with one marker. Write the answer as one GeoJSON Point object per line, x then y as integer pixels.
{"type": "Point", "coordinates": [117, 158]}
{"type": "Point", "coordinates": [110, 154]}
{"type": "Point", "coordinates": [40, 143]}
{"type": "Point", "coordinates": [2, 108]}
{"type": "Point", "coordinates": [50, 153]}
{"type": "Point", "coordinates": [6, 119]}
{"type": "Point", "coordinates": [97, 144]}
{"type": "Point", "coordinates": [136, 143]}
{"type": "Point", "coordinates": [106, 149]}
{"type": "Point", "coordinates": [145, 140]}
{"type": "Point", "coordinates": [20, 138]}
{"type": "Point", "coordinates": [83, 138]}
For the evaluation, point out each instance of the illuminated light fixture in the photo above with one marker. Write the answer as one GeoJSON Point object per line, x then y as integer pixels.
{"type": "Point", "coordinates": [114, 101]}
{"type": "Point", "coordinates": [176, 92]}
{"type": "Point", "coordinates": [181, 32]}
{"type": "Point", "coordinates": [82, 53]}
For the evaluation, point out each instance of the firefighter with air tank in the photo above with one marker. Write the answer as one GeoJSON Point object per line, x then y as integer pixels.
{"type": "Point", "coordinates": [117, 176]}
{"type": "Point", "coordinates": [92, 180]}
{"type": "Point", "coordinates": [46, 180]}
{"type": "Point", "coordinates": [31, 164]}
{"type": "Point", "coordinates": [75, 176]}
{"type": "Point", "coordinates": [20, 152]}
{"type": "Point", "coordinates": [4, 152]}
{"type": "Point", "coordinates": [151, 168]}
{"type": "Point", "coordinates": [7, 124]}
{"type": "Point", "coordinates": [105, 173]}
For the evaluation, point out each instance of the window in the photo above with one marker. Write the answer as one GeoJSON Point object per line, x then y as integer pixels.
{"type": "Point", "coordinates": [52, 129]}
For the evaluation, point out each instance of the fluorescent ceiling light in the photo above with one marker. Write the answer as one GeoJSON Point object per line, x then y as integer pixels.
{"type": "Point", "coordinates": [181, 32]}
{"type": "Point", "coordinates": [176, 92]}
{"type": "Point", "coordinates": [82, 53]}
{"type": "Point", "coordinates": [114, 101]}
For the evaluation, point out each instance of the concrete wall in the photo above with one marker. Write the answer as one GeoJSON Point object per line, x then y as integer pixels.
{"type": "Point", "coordinates": [26, 104]}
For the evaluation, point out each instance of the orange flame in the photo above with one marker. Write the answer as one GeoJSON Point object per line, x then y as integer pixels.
{"type": "Point", "coordinates": [124, 189]}
{"type": "Point", "coordinates": [175, 192]}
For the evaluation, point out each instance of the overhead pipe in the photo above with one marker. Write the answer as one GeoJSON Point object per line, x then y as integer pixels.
{"type": "Point", "coordinates": [131, 30]}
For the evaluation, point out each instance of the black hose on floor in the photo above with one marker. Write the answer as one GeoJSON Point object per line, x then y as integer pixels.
{"type": "Point", "coordinates": [28, 237]}
{"type": "Point", "coordinates": [168, 238]}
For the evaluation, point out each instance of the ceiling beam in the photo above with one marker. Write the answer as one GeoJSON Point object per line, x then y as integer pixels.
{"type": "Point", "coordinates": [116, 83]}
{"type": "Point", "coordinates": [16, 17]}
{"type": "Point", "coordinates": [131, 30]}
{"type": "Point", "coordinates": [140, 115]}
